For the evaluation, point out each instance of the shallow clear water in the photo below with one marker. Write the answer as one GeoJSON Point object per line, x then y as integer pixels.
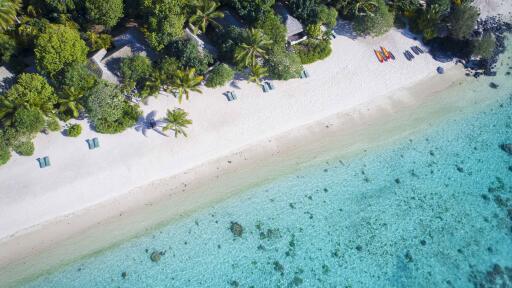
{"type": "Point", "coordinates": [431, 210]}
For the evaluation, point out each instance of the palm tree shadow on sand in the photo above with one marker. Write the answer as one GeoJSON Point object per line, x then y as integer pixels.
{"type": "Point", "coordinates": [150, 123]}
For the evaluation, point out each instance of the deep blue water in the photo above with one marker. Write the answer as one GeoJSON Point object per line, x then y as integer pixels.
{"type": "Point", "coordinates": [433, 210]}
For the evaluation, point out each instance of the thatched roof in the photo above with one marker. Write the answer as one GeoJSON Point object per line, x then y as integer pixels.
{"type": "Point", "coordinates": [293, 26]}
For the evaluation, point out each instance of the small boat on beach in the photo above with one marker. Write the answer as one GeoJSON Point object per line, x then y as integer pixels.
{"type": "Point", "coordinates": [379, 55]}
{"type": "Point", "coordinates": [385, 52]}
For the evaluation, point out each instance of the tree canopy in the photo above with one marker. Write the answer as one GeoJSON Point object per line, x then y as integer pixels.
{"type": "Point", "coordinates": [106, 13]}
{"type": "Point", "coordinates": [58, 47]}
{"type": "Point", "coordinates": [165, 21]}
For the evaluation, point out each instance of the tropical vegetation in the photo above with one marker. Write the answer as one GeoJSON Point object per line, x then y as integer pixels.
{"type": "Point", "coordinates": [53, 39]}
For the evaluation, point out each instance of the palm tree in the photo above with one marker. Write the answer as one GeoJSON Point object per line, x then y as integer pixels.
{"type": "Point", "coordinates": [176, 121]}
{"type": "Point", "coordinates": [185, 81]}
{"type": "Point", "coordinates": [206, 13]}
{"type": "Point", "coordinates": [70, 102]}
{"type": "Point", "coordinates": [8, 9]}
{"type": "Point", "coordinates": [7, 110]}
{"type": "Point", "coordinates": [257, 72]}
{"type": "Point", "coordinates": [255, 44]}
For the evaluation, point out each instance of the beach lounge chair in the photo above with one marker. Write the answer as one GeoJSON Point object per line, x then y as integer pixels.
{"type": "Point", "coordinates": [264, 87]}
{"type": "Point", "coordinates": [47, 161]}
{"type": "Point", "coordinates": [304, 74]}
{"type": "Point", "coordinates": [41, 162]}
{"type": "Point", "coordinates": [228, 95]}
{"type": "Point", "coordinates": [90, 143]}
{"type": "Point", "coordinates": [271, 86]}
{"type": "Point", "coordinates": [413, 48]}
{"type": "Point", "coordinates": [392, 56]}
{"type": "Point", "coordinates": [96, 142]}
{"type": "Point", "coordinates": [406, 55]}
{"type": "Point", "coordinates": [419, 49]}
{"type": "Point", "coordinates": [233, 95]}
{"type": "Point", "coordinates": [410, 54]}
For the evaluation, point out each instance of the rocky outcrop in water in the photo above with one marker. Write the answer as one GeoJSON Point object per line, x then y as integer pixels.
{"type": "Point", "coordinates": [507, 147]}
{"type": "Point", "coordinates": [236, 229]}
{"type": "Point", "coordinates": [496, 276]}
{"type": "Point", "coordinates": [156, 255]}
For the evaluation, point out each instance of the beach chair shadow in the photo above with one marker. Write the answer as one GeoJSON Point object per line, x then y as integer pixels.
{"type": "Point", "coordinates": [344, 28]}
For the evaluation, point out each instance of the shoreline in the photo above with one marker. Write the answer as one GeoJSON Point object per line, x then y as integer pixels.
{"type": "Point", "coordinates": [160, 202]}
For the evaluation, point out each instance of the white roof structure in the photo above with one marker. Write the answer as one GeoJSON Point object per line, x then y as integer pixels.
{"type": "Point", "coordinates": [294, 29]}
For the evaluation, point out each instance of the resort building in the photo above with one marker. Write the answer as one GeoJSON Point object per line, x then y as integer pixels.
{"type": "Point", "coordinates": [294, 29]}
{"type": "Point", "coordinates": [202, 42]}
{"type": "Point", "coordinates": [129, 43]}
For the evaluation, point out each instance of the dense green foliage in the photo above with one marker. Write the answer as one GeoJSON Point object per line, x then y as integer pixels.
{"type": "Point", "coordinates": [189, 56]}
{"type": "Point", "coordinates": [8, 10]}
{"type": "Point", "coordinates": [79, 77]}
{"type": "Point", "coordinates": [106, 13]}
{"type": "Point", "coordinates": [377, 23]}
{"type": "Point", "coordinates": [5, 153]}
{"type": "Point", "coordinates": [205, 14]}
{"type": "Point", "coordinates": [283, 65]}
{"type": "Point", "coordinates": [304, 10]}
{"type": "Point", "coordinates": [311, 50]}
{"type": "Point", "coordinates": [24, 148]}
{"type": "Point", "coordinates": [32, 90]}
{"type": "Point", "coordinates": [272, 26]}
{"type": "Point", "coordinates": [165, 21]}
{"type": "Point", "coordinates": [484, 47]}
{"type": "Point", "coordinates": [7, 48]}
{"type": "Point", "coordinates": [58, 47]}
{"type": "Point", "coordinates": [251, 10]}
{"type": "Point", "coordinates": [28, 121]}
{"type": "Point", "coordinates": [136, 69]}
{"type": "Point", "coordinates": [74, 130]}
{"type": "Point", "coordinates": [97, 41]}
{"type": "Point", "coordinates": [462, 21]}
{"type": "Point", "coordinates": [108, 111]}
{"type": "Point", "coordinates": [219, 76]}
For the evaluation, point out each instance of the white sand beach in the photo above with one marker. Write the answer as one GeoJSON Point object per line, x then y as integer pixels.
{"type": "Point", "coordinates": [41, 208]}
{"type": "Point", "coordinates": [80, 178]}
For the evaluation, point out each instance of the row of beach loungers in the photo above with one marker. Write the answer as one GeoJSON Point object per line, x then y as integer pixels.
{"type": "Point", "coordinates": [45, 161]}
{"type": "Point", "coordinates": [267, 86]}
{"type": "Point", "coordinates": [417, 50]}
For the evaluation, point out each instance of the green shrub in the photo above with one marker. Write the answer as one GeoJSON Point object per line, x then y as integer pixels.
{"type": "Point", "coordinates": [219, 76]}
{"type": "Point", "coordinates": [28, 121]}
{"type": "Point", "coordinates": [377, 24]}
{"type": "Point", "coordinates": [53, 124]}
{"type": "Point", "coordinates": [108, 111]}
{"type": "Point", "coordinates": [5, 154]}
{"type": "Point", "coordinates": [314, 31]}
{"type": "Point", "coordinates": [311, 50]}
{"type": "Point", "coordinates": [74, 130]}
{"type": "Point", "coordinates": [462, 21]}
{"type": "Point", "coordinates": [282, 65]}
{"type": "Point", "coordinates": [24, 148]}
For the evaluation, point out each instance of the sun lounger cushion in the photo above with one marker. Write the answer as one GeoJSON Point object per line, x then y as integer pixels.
{"type": "Point", "coordinates": [96, 142]}
{"type": "Point", "coordinates": [264, 86]}
{"type": "Point", "coordinates": [47, 161]}
{"type": "Point", "coordinates": [90, 143]}
{"type": "Point", "coordinates": [271, 85]}
{"type": "Point", "coordinates": [41, 162]}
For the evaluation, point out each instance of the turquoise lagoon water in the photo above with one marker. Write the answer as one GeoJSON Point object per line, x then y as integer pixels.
{"type": "Point", "coordinates": [433, 210]}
